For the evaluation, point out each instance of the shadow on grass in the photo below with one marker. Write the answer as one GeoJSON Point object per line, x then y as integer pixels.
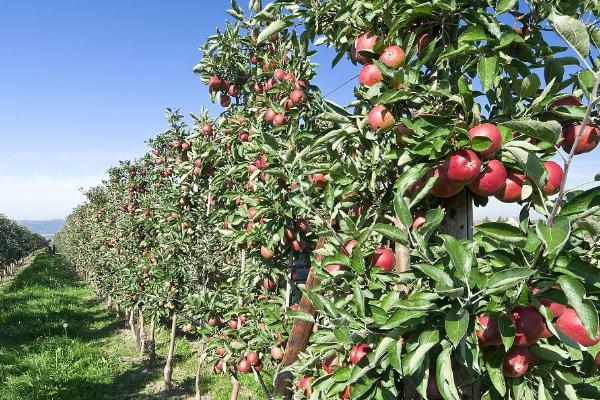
{"type": "Point", "coordinates": [51, 338]}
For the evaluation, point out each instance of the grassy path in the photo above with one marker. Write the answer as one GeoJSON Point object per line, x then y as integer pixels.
{"type": "Point", "coordinates": [58, 342]}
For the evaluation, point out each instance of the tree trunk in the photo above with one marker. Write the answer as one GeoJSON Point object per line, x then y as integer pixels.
{"type": "Point", "coordinates": [109, 301]}
{"type": "Point", "coordinates": [142, 332]}
{"type": "Point", "coordinates": [235, 388]}
{"type": "Point", "coordinates": [151, 344]}
{"type": "Point", "coordinates": [169, 364]}
{"type": "Point", "coordinates": [132, 327]}
{"type": "Point", "coordinates": [301, 331]}
{"type": "Point", "coordinates": [197, 380]}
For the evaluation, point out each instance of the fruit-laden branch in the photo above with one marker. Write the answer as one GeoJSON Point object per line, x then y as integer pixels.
{"type": "Point", "coordinates": [567, 164]}
{"type": "Point", "coordinates": [300, 333]}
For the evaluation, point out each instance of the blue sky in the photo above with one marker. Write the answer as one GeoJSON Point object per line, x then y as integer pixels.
{"type": "Point", "coordinates": [84, 84]}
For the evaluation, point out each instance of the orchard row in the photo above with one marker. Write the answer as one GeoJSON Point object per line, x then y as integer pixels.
{"type": "Point", "coordinates": [212, 229]}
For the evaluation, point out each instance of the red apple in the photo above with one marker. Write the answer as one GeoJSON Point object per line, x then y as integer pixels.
{"type": "Point", "coordinates": [555, 176]}
{"type": "Point", "coordinates": [331, 268]}
{"type": "Point", "coordinates": [346, 393]}
{"type": "Point", "coordinates": [233, 323]}
{"type": "Point", "coordinates": [365, 41]}
{"type": "Point", "coordinates": [225, 100]}
{"type": "Point", "coordinates": [401, 132]}
{"type": "Point", "coordinates": [267, 253]}
{"type": "Point", "coordinates": [243, 366]}
{"type": "Point", "coordinates": [566, 101]}
{"type": "Point", "coordinates": [369, 75]}
{"type": "Point", "coordinates": [270, 115]}
{"type": "Point", "coordinates": [276, 353]}
{"type": "Point", "coordinates": [253, 358]}
{"type": "Point", "coordinates": [298, 245]}
{"type": "Point", "coordinates": [556, 308]}
{"type": "Point", "coordinates": [422, 41]}
{"type": "Point", "coordinates": [297, 96]}
{"type": "Point", "coordinates": [302, 225]}
{"type": "Point", "coordinates": [252, 212]}
{"type": "Point", "coordinates": [570, 324]}
{"type": "Point", "coordinates": [220, 351]}
{"type": "Point", "coordinates": [513, 187]}
{"type": "Point", "coordinates": [529, 325]}
{"type": "Point", "coordinates": [490, 335]}
{"type": "Point", "coordinates": [384, 258]}
{"type": "Point", "coordinates": [305, 384]}
{"type": "Point", "coordinates": [380, 118]}
{"type": "Point", "coordinates": [490, 131]}
{"type": "Point", "coordinates": [279, 74]}
{"type": "Point", "coordinates": [319, 180]}
{"type": "Point", "coordinates": [219, 367]}
{"type": "Point", "coordinates": [348, 246]}
{"type": "Point", "coordinates": [418, 219]}
{"type": "Point", "coordinates": [462, 167]}
{"type": "Point", "coordinates": [516, 361]}
{"type": "Point", "coordinates": [433, 392]}
{"type": "Point", "coordinates": [588, 141]}
{"type": "Point", "coordinates": [358, 352]}
{"type": "Point", "coordinates": [491, 180]}
{"type": "Point", "coordinates": [443, 187]}
{"type": "Point", "coordinates": [328, 363]}
{"type": "Point", "coordinates": [207, 129]}
{"type": "Point", "coordinates": [392, 56]}
{"type": "Point", "coordinates": [279, 120]}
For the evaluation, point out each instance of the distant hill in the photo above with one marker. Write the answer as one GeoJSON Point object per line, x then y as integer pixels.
{"type": "Point", "coordinates": [45, 228]}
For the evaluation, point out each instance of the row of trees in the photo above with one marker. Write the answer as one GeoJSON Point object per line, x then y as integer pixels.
{"type": "Point", "coordinates": [16, 242]}
{"type": "Point", "coordinates": [209, 231]}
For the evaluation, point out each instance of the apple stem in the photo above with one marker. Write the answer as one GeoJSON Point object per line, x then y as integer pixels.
{"type": "Point", "coordinates": [569, 158]}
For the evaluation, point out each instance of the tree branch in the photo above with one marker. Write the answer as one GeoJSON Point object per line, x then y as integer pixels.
{"type": "Point", "coordinates": [567, 163]}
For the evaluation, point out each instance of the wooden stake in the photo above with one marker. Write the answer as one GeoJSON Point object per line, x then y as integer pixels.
{"type": "Point", "coordinates": [151, 343]}
{"type": "Point", "coordinates": [235, 387]}
{"type": "Point", "coordinates": [301, 331]}
{"type": "Point", "coordinates": [142, 332]}
{"type": "Point", "coordinates": [169, 364]}
{"type": "Point", "coordinates": [197, 380]}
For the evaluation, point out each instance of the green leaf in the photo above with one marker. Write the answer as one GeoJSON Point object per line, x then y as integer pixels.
{"type": "Point", "coordinates": [554, 237]}
{"type": "Point", "coordinates": [413, 360]}
{"type": "Point", "coordinates": [502, 231]}
{"type": "Point", "coordinates": [493, 366]}
{"type": "Point", "coordinates": [487, 71]}
{"type": "Point", "coordinates": [472, 34]}
{"type": "Point", "coordinates": [444, 376]}
{"type": "Point", "coordinates": [273, 28]}
{"type": "Point", "coordinates": [342, 334]}
{"type": "Point", "coordinates": [401, 210]}
{"type": "Point", "coordinates": [503, 6]}
{"type": "Point", "coordinates": [460, 257]}
{"type": "Point", "coordinates": [435, 273]}
{"type": "Point", "coordinates": [507, 331]}
{"type": "Point", "coordinates": [573, 32]}
{"type": "Point", "coordinates": [502, 280]}
{"type": "Point", "coordinates": [585, 309]}
{"type": "Point", "coordinates": [548, 131]}
{"type": "Point", "coordinates": [581, 203]}
{"type": "Point", "coordinates": [530, 163]}
{"type": "Point", "coordinates": [457, 323]}
{"type": "Point", "coordinates": [393, 233]}
{"type": "Point", "coordinates": [530, 85]}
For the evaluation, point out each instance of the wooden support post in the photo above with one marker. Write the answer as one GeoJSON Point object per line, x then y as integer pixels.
{"type": "Point", "coordinates": [142, 332]}
{"type": "Point", "coordinates": [151, 343]}
{"type": "Point", "coordinates": [168, 372]}
{"type": "Point", "coordinates": [301, 331]}
{"type": "Point", "coordinates": [458, 221]}
{"type": "Point", "coordinates": [197, 378]}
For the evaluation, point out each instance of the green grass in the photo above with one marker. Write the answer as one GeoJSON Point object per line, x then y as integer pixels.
{"type": "Point", "coordinates": [57, 341]}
